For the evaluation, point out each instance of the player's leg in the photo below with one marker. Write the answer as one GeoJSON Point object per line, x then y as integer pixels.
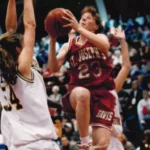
{"type": "Point", "coordinates": [80, 102]}
{"type": "Point", "coordinates": [102, 115]}
{"type": "Point", "coordinates": [101, 138]}
{"type": "Point", "coordinates": [115, 144]}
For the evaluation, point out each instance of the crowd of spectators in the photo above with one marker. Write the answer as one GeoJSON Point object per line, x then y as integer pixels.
{"type": "Point", "coordinates": [134, 97]}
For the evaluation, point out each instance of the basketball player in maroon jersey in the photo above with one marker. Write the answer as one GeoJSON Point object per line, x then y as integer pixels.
{"type": "Point", "coordinates": [89, 96]}
{"type": "Point", "coordinates": [115, 144]}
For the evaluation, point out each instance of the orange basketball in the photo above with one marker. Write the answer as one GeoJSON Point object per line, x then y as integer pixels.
{"type": "Point", "coordinates": [54, 22]}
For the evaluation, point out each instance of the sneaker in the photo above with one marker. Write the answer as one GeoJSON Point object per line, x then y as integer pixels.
{"type": "Point", "coordinates": [85, 146]}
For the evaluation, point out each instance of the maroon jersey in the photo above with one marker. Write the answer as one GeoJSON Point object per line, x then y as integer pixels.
{"type": "Point", "coordinates": [89, 67]}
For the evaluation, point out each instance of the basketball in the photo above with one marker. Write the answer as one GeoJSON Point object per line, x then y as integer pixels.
{"type": "Point", "coordinates": [54, 22]}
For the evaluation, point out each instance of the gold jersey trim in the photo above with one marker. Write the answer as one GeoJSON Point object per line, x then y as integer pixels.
{"type": "Point", "coordinates": [26, 79]}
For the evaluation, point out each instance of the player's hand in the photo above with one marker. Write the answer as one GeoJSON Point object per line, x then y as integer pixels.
{"type": "Point", "coordinates": [118, 34]}
{"type": "Point", "coordinates": [73, 23]}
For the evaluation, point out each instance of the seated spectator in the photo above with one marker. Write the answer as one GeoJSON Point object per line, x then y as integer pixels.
{"type": "Point", "coordinates": [56, 97]}
{"type": "Point", "coordinates": [126, 144]}
{"type": "Point", "coordinates": [135, 71]}
{"type": "Point", "coordinates": [148, 87]}
{"type": "Point", "coordinates": [117, 58]}
{"type": "Point", "coordinates": [141, 81]}
{"type": "Point", "coordinates": [68, 130]}
{"type": "Point", "coordinates": [143, 109]}
{"type": "Point", "coordinates": [145, 144]}
{"type": "Point", "coordinates": [58, 125]}
{"type": "Point", "coordinates": [67, 145]}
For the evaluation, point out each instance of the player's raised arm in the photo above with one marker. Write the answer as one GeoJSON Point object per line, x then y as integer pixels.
{"type": "Point", "coordinates": [26, 55]}
{"type": "Point", "coordinates": [55, 62]}
{"type": "Point", "coordinates": [11, 16]}
{"type": "Point", "coordinates": [123, 73]}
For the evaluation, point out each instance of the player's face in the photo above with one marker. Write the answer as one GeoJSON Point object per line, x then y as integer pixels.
{"type": "Point", "coordinates": [87, 21]}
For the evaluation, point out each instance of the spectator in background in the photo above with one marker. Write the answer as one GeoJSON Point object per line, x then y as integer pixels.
{"type": "Point", "coordinates": [36, 49]}
{"type": "Point", "coordinates": [117, 58]}
{"type": "Point", "coordinates": [131, 123]}
{"type": "Point", "coordinates": [124, 99]}
{"type": "Point", "coordinates": [148, 87]}
{"type": "Point", "coordinates": [139, 19]}
{"type": "Point", "coordinates": [135, 97]}
{"type": "Point", "coordinates": [142, 84]}
{"type": "Point", "coordinates": [67, 145]}
{"type": "Point", "coordinates": [143, 109]}
{"type": "Point", "coordinates": [56, 97]}
{"type": "Point", "coordinates": [145, 144]}
{"type": "Point", "coordinates": [68, 130]}
{"type": "Point", "coordinates": [126, 144]}
{"type": "Point", "coordinates": [58, 126]}
{"type": "Point", "coordinates": [135, 71]}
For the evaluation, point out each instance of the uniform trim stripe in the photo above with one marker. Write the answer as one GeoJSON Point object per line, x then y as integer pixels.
{"type": "Point", "coordinates": [26, 79]}
{"type": "Point", "coordinates": [77, 43]}
{"type": "Point", "coordinates": [101, 125]}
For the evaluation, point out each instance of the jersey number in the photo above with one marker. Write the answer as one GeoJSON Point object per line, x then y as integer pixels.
{"type": "Point", "coordinates": [85, 71]}
{"type": "Point", "coordinates": [13, 100]}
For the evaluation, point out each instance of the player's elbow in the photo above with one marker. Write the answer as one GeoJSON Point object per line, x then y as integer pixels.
{"type": "Point", "coordinates": [118, 89]}
{"type": "Point", "coordinates": [30, 24]}
{"type": "Point", "coordinates": [127, 66]}
{"type": "Point", "coordinates": [11, 28]}
{"type": "Point", "coordinates": [53, 69]}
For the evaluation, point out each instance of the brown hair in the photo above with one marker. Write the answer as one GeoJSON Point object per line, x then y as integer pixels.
{"type": "Point", "coordinates": [92, 10]}
{"type": "Point", "coordinates": [8, 55]}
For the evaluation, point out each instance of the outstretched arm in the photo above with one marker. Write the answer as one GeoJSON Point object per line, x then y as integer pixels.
{"type": "Point", "coordinates": [11, 16]}
{"type": "Point", "coordinates": [123, 73]}
{"type": "Point", "coordinates": [25, 58]}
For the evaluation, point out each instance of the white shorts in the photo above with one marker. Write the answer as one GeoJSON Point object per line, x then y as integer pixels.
{"type": "Point", "coordinates": [115, 144]}
{"type": "Point", "coordinates": [39, 145]}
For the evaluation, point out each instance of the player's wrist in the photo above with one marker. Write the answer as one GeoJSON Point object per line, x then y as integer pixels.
{"type": "Point", "coordinates": [122, 40]}
{"type": "Point", "coordinates": [79, 29]}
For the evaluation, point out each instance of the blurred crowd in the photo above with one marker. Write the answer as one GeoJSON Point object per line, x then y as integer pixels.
{"type": "Point", "coordinates": [134, 97]}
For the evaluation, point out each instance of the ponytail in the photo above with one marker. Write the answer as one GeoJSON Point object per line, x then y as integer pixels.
{"type": "Point", "coordinates": [7, 67]}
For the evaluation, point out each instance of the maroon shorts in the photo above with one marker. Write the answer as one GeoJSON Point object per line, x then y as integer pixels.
{"type": "Point", "coordinates": [101, 107]}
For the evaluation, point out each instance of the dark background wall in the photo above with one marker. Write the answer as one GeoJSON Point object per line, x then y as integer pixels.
{"type": "Point", "coordinates": [127, 8]}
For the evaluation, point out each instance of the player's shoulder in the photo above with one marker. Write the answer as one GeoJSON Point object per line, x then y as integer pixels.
{"type": "Point", "coordinates": [102, 35]}
{"type": "Point", "coordinates": [65, 45]}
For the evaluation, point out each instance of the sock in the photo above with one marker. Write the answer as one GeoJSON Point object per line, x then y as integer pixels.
{"type": "Point", "coordinates": [84, 140]}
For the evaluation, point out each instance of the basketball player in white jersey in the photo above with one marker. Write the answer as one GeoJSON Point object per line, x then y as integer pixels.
{"type": "Point", "coordinates": [25, 120]}
{"type": "Point", "coordinates": [115, 144]}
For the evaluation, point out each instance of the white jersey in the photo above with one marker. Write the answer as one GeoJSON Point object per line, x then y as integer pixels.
{"type": "Point", "coordinates": [25, 115]}
{"type": "Point", "coordinates": [115, 144]}
{"type": "Point", "coordinates": [117, 124]}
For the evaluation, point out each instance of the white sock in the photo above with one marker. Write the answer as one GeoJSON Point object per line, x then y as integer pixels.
{"type": "Point", "coordinates": [84, 140]}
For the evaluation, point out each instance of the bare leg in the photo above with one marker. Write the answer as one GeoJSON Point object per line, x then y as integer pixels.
{"type": "Point", "coordinates": [101, 138]}
{"type": "Point", "coordinates": [80, 102]}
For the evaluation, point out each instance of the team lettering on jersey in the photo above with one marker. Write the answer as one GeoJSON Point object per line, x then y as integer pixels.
{"type": "Point", "coordinates": [10, 98]}
{"type": "Point", "coordinates": [106, 115]}
{"type": "Point", "coordinates": [86, 53]}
